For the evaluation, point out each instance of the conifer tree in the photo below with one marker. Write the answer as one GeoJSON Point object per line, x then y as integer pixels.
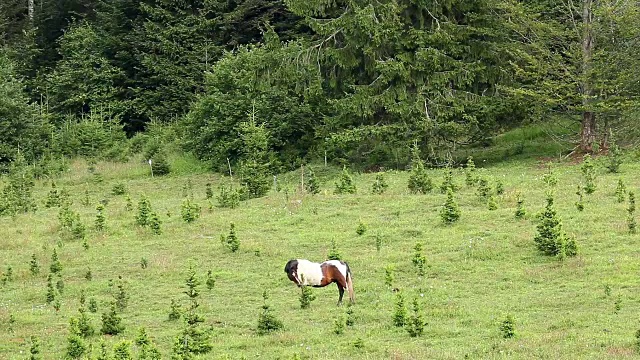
{"type": "Point", "coordinates": [345, 184]}
{"type": "Point", "coordinates": [520, 210]}
{"type": "Point", "coordinates": [579, 203]}
{"type": "Point", "coordinates": [400, 314]}
{"type": "Point", "coordinates": [34, 349]}
{"type": "Point", "coordinates": [56, 266]}
{"type": "Point", "coordinates": [255, 176]}
{"type": "Point", "coordinates": [306, 296]}
{"type": "Point", "coordinates": [100, 218]}
{"type": "Point", "coordinates": [267, 322]}
{"type": "Point", "coordinates": [419, 181]}
{"type": "Point", "coordinates": [419, 260]}
{"type": "Point", "coordinates": [122, 350]}
{"type": "Point", "coordinates": [379, 185]}
{"type": "Point", "coordinates": [144, 211]}
{"type": "Point", "coordinates": [192, 339]}
{"type": "Point", "coordinates": [470, 172]}
{"type": "Point", "coordinates": [231, 241]}
{"type": "Point", "coordinates": [415, 325]}
{"type": "Point", "coordinates": [550, 238]}
{"type": "Point", "coordinates": [111, 321]}
{"type": "Point", "coordinates": [447, 182]}
{"type": "Point", "coordinates": [588, 171]}
{"type": "Point", "coordinates": [155, 224]}
{"type": "Point", "coordinates": [631, 220]}
{"type": "Point", "coordinates": [614, 158]}
{"type": "Point", "coordinates": [621, 191]}
{"type": "Point", "coordinates": [311, 182]}
{"type": "Point", "coordinates": [34, 266]}
{"type": "Point", "coordinates": [450, 212]}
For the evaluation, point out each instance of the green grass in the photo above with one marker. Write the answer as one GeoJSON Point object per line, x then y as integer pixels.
{"type": "Point", "coordinates": [478, 271]}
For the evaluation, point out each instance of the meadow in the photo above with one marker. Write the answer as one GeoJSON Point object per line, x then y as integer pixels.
{"type": "Point", "coordinates": [479, 270]}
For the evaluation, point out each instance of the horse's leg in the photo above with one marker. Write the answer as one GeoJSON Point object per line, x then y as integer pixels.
{"type": "Point", "coordinates": [341, 290]}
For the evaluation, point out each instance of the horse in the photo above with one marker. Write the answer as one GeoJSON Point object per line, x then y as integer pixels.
{"type": "Point", "coordinates": [306, 273]}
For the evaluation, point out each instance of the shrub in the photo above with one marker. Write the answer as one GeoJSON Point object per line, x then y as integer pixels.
{"type": "Point", "coordinates": [339, 324]}
{"type": "Point", "coordinates": [507, 327]}
{"type": "Point", "coordinates": [345, 184]}
{"type": "Point", "coordinates": [491, 203]}
{"type": "Point", "coordinates": [208, 193]}
{"type": "Point", "coordinates": [211, 281]}
{"type": "Point", "coordinates": [483, 188]}
{"type": "Point", "coordinates": [499, 188]}
{"type": "Point", "coordinates": [361, 229]}
{"type": "Point", "coordinates": [119, 189]}
{"type": "Point", "coordinates": [228, 197]}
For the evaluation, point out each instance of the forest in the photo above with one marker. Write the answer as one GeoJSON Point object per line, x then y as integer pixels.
{"type": "Point", "coordinates": [357, 81]}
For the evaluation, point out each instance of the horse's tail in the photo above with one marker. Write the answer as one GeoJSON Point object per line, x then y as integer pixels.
{"type": "Point", "coordinates": [349, 279]}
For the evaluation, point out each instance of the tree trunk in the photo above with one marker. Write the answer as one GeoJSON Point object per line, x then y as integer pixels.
{"type": "Point", "coordinates": [588, 124]}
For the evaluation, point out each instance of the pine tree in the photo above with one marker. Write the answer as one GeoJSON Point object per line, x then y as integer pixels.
{"type": "Point", "coordinates": [419, 181]}
{"type": "Point", "coordinates": [450, 212]}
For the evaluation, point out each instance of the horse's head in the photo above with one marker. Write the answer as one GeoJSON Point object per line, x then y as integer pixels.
{"type": "Point", "coordinates": [291, 268]}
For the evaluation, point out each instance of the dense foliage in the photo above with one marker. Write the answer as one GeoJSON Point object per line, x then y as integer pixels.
{"type": "Point", "coordinates": [352, 80]}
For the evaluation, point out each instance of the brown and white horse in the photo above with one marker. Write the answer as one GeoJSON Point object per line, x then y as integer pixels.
{"type": "Point", "coordinates": [306, 273]}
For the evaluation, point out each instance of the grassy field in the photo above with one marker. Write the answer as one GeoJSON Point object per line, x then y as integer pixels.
{"type": "Point", "coordinates": [478, 271]}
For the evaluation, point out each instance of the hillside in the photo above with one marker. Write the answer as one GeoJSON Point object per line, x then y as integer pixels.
{"type": "Point", "coordinates": [478, 270]}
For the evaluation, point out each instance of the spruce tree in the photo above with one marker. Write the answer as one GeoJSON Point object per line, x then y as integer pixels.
{"type": "Point", "coordinates": [255, 175]}
{"type": "Point", "coordinates": [621, 191]}
{"type": "Point", "coordinates": [56, 266]}
{"type": "Point", "coordinates": [419, 181]}
{"type": "Point", "coordinates": [76, 346]}
{"type": "Point", "coordinates": [483, 190]}
{"type": "Point", "coordinates": [122, 350]}
{"type": "Point", "coordinates": [379, 185]}
{"type": "Point", "coordinates": [155, 224]}
{"type": "Point", "coordinates": [193, 339]}
{"type": "Point", "coordinates": [507, 327]}
{"type": "Point", "coordinates": [614, 158]}
{"type": "Point", "coordinates": [419, 260]}
{"type": "Point", "coordinates": [306, 296]}
{"type": "Point", "coordinates": [144, 211]}
{"type": "Point", "coordinates": [520, 210]}
{"type": "Point", "coordinates": [579, 203]}
{"type": "Point", "coordinates": [470, 172]}
{"type": "Point", "coordinates": [111, 321]}
{"type": "Point", "coordinates": [190, 210]}
{"type": "Point", "coordinates": [447, 182]}
{"type": "Point", "coordinates": [231, 241]}
{"type": "Point", "coordinates": [345, 184]}
{"type": "Point", "coordinates": [550, 238]}
{"type": "Point", "coordinates": [450, 212]}
{"type": "Point", "coordinates": [34, 349]}
{"type": "Point", "coordinates": [34, 266]}
{"type": "Point", "coordinates": [100, 218]}
{"type": "Point", "coordinates": [400, 313]}
{"type": "Point", "coordinates": [631, 220]}
{"type": "Point", "coordinates": [491, 203]}
{"type": "Point", "coordinates": [588, 171]}
{"type": "Point", "coordinates": [334, 254]}
{"type": "Point", "coordinates": [415, 324]}
{"type": "Point", "coordinates": [160, 164]}
{"type": "Point", "coordinates": [311, 182]}
{"type": "Point", "coordinates": [267, 322]}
